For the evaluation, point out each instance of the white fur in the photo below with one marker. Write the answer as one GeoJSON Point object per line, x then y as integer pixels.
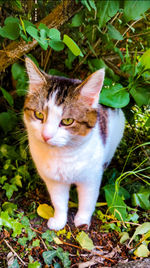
{"type": "Point", "coordinates": [74, 159]}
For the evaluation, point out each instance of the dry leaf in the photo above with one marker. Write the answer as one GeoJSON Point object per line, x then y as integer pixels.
{"type": "Point", "coordinates": [45, 211]}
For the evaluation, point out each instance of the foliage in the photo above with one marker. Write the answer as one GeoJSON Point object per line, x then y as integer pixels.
{"type": "Point", "coordinates": [101, 30]}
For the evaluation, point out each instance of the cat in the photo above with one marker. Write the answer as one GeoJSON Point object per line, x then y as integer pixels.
{"type": "Point", "coordinates": [72, 138]}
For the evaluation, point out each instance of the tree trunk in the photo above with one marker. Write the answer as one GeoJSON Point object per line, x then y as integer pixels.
{"type": "Point", "coordinates": [55, 19]}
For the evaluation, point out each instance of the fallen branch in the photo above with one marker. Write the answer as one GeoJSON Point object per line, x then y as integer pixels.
{"type": "Point", "coordinates": [55, 19]}
{"type": "Point", "coordinates": [14, 252]}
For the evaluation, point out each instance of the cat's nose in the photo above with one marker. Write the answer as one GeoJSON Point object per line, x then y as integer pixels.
{"type": "Point", "coordinates": [46, 137]}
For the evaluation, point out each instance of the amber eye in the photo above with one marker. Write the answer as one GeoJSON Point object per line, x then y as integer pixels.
{"type": "Point", "coordinates": [39, 115]}
{"type": "Point", "coordinates": [67, 122]}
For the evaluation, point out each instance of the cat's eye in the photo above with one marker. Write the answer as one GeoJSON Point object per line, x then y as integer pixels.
{"type": "Point", "coordinates": [67, 122]}
{"type": "Point", "coordinates": [39, 115]}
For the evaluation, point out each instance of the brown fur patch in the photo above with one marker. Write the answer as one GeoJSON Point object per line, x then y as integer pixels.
{"type": "Point", "coordinates": [103, 122]}
{"type": "Point", "coordinates": [85, 117]}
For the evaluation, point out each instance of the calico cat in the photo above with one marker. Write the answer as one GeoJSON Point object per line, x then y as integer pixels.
{"type": "Point", "coordinates": [72, 138]}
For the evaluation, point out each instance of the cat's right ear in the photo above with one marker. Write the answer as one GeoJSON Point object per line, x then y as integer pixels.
{"type": "Point", "coordinates": [36, 78]}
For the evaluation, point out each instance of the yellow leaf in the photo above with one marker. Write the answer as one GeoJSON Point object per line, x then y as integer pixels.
{"type": "Point", "coordinates": [45, 211]}
{"type": "Point", "coordinates": [142, 251]}
{"type": "Point", "coordinates": [57, 241]}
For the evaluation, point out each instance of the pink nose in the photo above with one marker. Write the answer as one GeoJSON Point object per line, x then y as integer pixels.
{"type": "Point", "coordinates": [46, 137]}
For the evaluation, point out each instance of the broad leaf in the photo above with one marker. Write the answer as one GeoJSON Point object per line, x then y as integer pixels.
{"type": "Point", "coordinates": [140, 230]}
{"type": "Point", "coordinates": [114, 33]}
{"type": "Point", "coordinates": [48, 256]}
{"type": "Point", "coordinates": [114, 96]}
{"type": "Point", "coordinates": [145, 59]}
{"type": "Point", "coordinates": [84, 241]}
{"type": "Point", "coordinates": [77, 19]}
{"type": "Point", "coordinates": [141, 199]}
{"type": "Point", "coordinates": [56, 45]}
{"type": "Point", "coordinates": [10, 189]}
{"type": "Point", "coordinates": [14, 264]}
{"type": "Point", "coordinates": [115, 202]}
{"type": "Point", "coordinates": [134, 8]}
{"type": "Point", "coordinates": [72, 45]}
{"type": "Point", "coordinates": [48, 235]}
{"type": "Point", "coordinates": [7, 96]}
{"type": "Point", "coordinates": [142, 251]}
{"type": "Point", "coordinates": [35, 264]}
{"type": "Point", "coordinates": [54, 34]}
{"type": "Point", "coordinates": [106, 10]}
{"type": "Point", "coordinates": [10, 31]}
{"type": "Point", "coordinates": [45, 211]}
{"type": "Point", "coordinates": [141, 95]}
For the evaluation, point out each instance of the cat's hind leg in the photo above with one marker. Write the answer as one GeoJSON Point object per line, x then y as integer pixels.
{"type": "Point", "coordinates": [59, 194]}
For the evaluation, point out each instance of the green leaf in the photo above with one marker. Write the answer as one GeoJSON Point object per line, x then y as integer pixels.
{"type": "Point", "coordinates": [56, 45]}
{"type": "Point", "coordinates": [11, 19]}
{"type": "Point", "coordinates": [10, 31]}
{"type": "Point", "coordinates": [84, 241]}
{"type": "Point", "coordinates": [145, 59]}
{"type": "Point", "coordinates": [5, 220]}
{"type": "Point", "coordinates": [35, 264]}
{"type": "Point", "coordinates": [36, 243]}
{"type": "Point", "coordinates": [39, 36]}
{"type": "Point", "coordinates": [140, 230]}
{"type": "Point", "coordinates": [115, 202]}
{"type": "Point", "coordinates": [7, 121]}
{"type": "Point", "coordinates": [19, 74]}
{"type": "Point", "coordinates": [9, 207]}
{"type": "Point", "coordinates": [43, 26]}
{"type": "Point", "coordinates": [72, 45]}
{"type": "Point", "coordinates": [10, 189]}
{"type": "Point", "coordinates": [64, 257]}
{"type": "Point", "coordinates": [114, 33]}
{"type": "Point", "coordinates": [54, 34]}
{"type": "Point", "coordinates": [7, 96]}
{"type": "Point", "coordinates": [142, 251]}
{"type": "Point", "coordinates": [14, 264]}
{"type": "Point", "coordinates": [3, 179]}
{"type": "Point", "coordinates": [141, 95]}
{"type": "Point", "coordinates": [106, 10]}
{"type": "Point", "coordinates": [147, 124]}
{"type": "Point", "coordinates": [85, 3]}
{"type": "Point", "coordinates": [133, 9]}
{"type": "Point", "coordinates": [48, 256]}
{"type": "Point", "coordinates": [114, 96]}
{"type": "Point", "coordinates": [23, 241]}
{"type": "Point", "coordinates": [31, 234]}
{"type": "Point", "coordinates": [141, 199]}
{"type": "Point", "coordinates": [48, 235]}
{"type": "Point", "coordinates": [57, 265]}
{"type": "Point", "coordinates": [124, 237]}
{"type": "Point", "coordinates": [17, 180]}
{"type": "Point", "coordinates": [77, 19]}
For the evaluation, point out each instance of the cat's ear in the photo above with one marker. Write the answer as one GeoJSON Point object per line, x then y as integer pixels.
{"type": "Point", "coordinates": [36, 78]}
{"type": "Point", "coordinates": [91, 87]}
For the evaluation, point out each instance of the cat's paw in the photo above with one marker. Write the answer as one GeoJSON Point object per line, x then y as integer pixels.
{"type": "Point", "coordinates": [82, 220]}
{"type": "Point", "coordinates": [56, 223]}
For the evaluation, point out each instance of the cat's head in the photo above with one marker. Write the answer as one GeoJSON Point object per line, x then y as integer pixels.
{"type": "Point", "coordinates": [60, 111]}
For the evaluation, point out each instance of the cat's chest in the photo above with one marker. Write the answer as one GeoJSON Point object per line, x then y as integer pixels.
{"type": "Point", "coordinates": [69, 166]}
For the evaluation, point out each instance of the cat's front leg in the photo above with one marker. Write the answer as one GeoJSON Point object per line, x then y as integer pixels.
{"type": "Point", "coordinates": [87, 195]}
{"type": "Point", "coordinates": [59, 194]}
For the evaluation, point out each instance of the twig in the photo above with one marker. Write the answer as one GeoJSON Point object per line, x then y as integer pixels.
{"type": "Point", "coordinates": [115, 69]}
{"type": "Point", "coordinates": [43, 243]}
{"type": "Point", "coordinates": [90, 52]}
{"type": "Point", "coordinates": [130, 26]}
{"type": "Point", "coordinates": [14, 252]}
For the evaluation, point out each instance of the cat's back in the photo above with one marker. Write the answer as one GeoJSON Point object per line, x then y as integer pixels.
{"type": "Point", "coordinates": [111, 127]}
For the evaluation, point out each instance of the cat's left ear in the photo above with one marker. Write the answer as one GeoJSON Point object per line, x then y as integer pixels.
{"type": "Point", "coordinates": [36, 77]}
{"type": "Point", "coordinates": [91, 87]}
